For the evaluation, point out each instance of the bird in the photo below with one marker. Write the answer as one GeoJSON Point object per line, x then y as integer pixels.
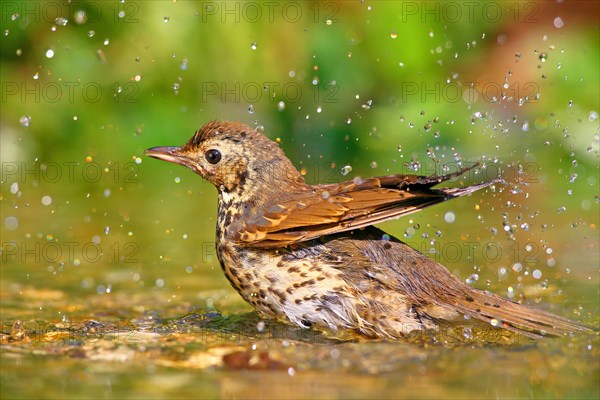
{"type": "Point", "coordinates": [310, 255]}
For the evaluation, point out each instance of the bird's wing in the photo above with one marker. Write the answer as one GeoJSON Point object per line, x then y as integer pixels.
{"type": "Point", "coordinates": [335, 208]}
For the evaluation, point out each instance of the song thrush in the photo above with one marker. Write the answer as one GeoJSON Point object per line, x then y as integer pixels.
{"type": "Point", "coordinates": [310, 255]}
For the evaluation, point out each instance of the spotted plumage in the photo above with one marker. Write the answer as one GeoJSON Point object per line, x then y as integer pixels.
{"type": "Point", "coordinates": [311, 256]}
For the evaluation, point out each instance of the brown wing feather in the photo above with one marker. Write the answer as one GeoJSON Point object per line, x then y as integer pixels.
{"type": "Point", "coordinates": [349, 205]}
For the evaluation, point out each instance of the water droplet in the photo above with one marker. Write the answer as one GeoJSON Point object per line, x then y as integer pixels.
{"type": "Point", "coordinates": [414, 165]}
{"type": "Point", "coordinates": [46, 200]}
{"type": "Point", "coordinates": [60, 21]}
{"type": "Point", "coordinates": [281, 106]}
{"type": "Point", "coordinates": [543, 57]}
{"type": "Point", "coordinates": [394, 35]}
{"type": "Point", "coordinates": [80, 17]}
{"type": "Point", "coordinates": [49, 53]}
{"type": "Point", "coordinates": [573, 178]}
{"type": "Point", "coordinates": [472, 279]}
{"type": "Point", "coordinates": [558, 22]}
{"type": "Point", "coordinates": [166, 19]}
{"type": "Point", "coordinates": [346, 170]}
{"type": "Point", "coordinates": [106, 230]}
{"type": "Point", "coordinates": [537, 274]}
{"type": "Point", "coordinates": [510, 292]}
{"type": "Point", "coordinates": [25, 120]}
{"type": "Point", "coordinates": [11, 223]}
{"type": "Point", "coordinates": [373, 164]}
{"type": "Point", "coordinates": [254, 46]}
{"type": "Point", "coordinates": [250, 109]}
{"type": "Point", "coordinates": [517, 267]}
{"type": "Point", "coordinates": [449, 217]}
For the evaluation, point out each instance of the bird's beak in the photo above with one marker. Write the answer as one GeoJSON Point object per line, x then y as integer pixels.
{"type": "Point", "coordinates": [174, 155]}
{"type": "Point", "coordinates": [168, 153]}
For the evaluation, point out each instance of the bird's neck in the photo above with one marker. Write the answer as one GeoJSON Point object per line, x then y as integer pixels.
{"type": "Point", "coordinates": [252, 198]}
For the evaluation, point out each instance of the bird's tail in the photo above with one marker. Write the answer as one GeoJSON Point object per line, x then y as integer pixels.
{"type": "Point", "coordinates": [512, 316]}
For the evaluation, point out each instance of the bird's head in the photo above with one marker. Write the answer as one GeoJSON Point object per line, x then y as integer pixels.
{"type": "Point", "coordinates": [232, 156]}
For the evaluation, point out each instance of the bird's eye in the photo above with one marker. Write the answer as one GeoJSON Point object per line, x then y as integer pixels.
{"type": "Point", "coordinates": [213, 156]}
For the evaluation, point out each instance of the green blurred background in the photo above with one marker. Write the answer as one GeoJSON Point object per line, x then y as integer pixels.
{"type": "Point", "coordinates": [379, 86]}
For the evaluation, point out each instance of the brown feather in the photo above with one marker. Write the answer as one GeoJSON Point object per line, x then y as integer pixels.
{"type": "Point", "coordinates": [354, 204]}
{"type": "Point", "coordinates": [427, 284]}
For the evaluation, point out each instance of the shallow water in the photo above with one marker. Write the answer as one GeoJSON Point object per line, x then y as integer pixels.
{"type": "Point", "coordinates": [116, 346]}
